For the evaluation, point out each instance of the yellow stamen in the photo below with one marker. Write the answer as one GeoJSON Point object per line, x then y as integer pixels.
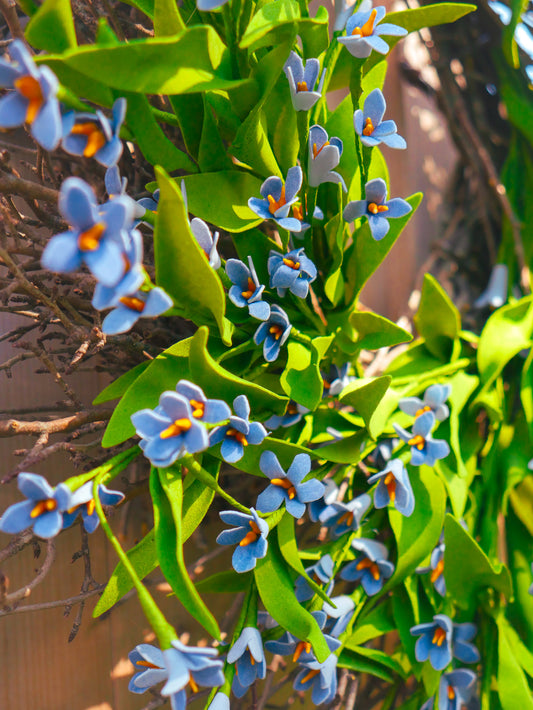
{"type": "Point", "coordinates": [252, 536]}
{"type": "Point", "coordinates": [91, 505]}
{"type": "Point", "coordinates": [297, 212]}
{"type": "Point", "coordinates": [439, 569]}
{"type": "Point", "coordinates": [90, 239]}
{"type": "Point", "coordinates": [301, 86]}
{"type": "Point", "coordinates": [423, 410]}
{"type": "Point", "coordinates": [310, 675]}
{"type": "Point", "coordinates": [43, 506]}
{"type": "Point", "coordinates": [193, 684]}
{"type": "Point", "coordinates": [136, 304]}
{"type": "Point", "coordinates": [274, 205]}
{"type": "Point", "coordinates": [285, 483]}
{"type": "Point", "coordinates": [371, 566]}
{"type": "Point", "coordinates": [390, 482]}
{"type": "Point", "coordinates": [367, 29]}
{"type": "Point", "coordinates": [292, 408]}
{"type": "Point", "coordinates": [176, 428]}
{"type": "Point", "coordinates": [30, 88]}
{"type": "Point", "coordinates": [147, 664]}
{"type": "Point", "coordinates": [95, 137]}
{"type": "Point", "coordinates": [237, 435]}
{"type": "Point", "coordinates": [293, 264]}
{"type": "Point", "coordinates": [417, 441]}
{"type": "Point", "coordinates": [276, 331]}
{"type": "Point", "coordinates": [198, 408]}
{"type": "Point", "coordinates": [300, 648]}
{"type": "Point", "coordinates": [346, 518]}
{"type": "Point", "coordinates": [374, 209]}
{"type": "Point", "coordinates": [451, 693]}
{"type": "Point", "coordinates": [252, 660]}
{"type": "Point", "coordinates": [317, 151]}
{"type": "Point", "coordinates": [439, 636]}
{"type": "Point", "coordinates": [251, 289]}
{"type": "Point", "coordinates": [369, 127]}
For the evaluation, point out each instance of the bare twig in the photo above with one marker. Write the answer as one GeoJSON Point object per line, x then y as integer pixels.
{"type": "Point", "coordinates": [25, 591]}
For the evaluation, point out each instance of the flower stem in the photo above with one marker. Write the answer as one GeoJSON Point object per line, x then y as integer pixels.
{"type": "Point", "coordinates": [192, 465]}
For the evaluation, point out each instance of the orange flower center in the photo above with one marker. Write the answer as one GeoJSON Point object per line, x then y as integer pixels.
{"type": "Point", "coordinates": [417, 441]}
{"type": "Point", "coordinates": [369, 127]}
{"type": "Point", "coordinates": [90, 239]}
{"type": "Point", "coordinates": [198, 408]}
{"type": "Point", "coordinates": [298, 212]}
{"type": "Point", "coordinates": [317, 151]}
{"type": "Point", "coordinates": [43, 506]}
{"type": "Point", "coordinates": [147, 664]}
{"type": "Point", "coordinates": [251, 289]}
{"type": "Point", "coordinates": [136, 304]}
{"type": "Point", "coordinates": [301, 86]}
{"type": "Point", "coordinates": [252, 536]}
{"type": "Point", "coordinates": [390, 482]}
{"type": "Point", "coordinates": [439, 636]}
{"type": "Point", "coordinates": [274, 205]}
{"type": "Point", "coordinates": [300, 648]}
{"type": "Point", "coordinates": [371, 566]}
{"type": "Point", "coordinates": [179, 426]}
{"type": "Point", "coordinates": [346, 518]}
{"type": "Point", "coordinates": [310, 675]}
{"type": "Point", "coordinates": [367, 29]}
{"type": "Point", "coordinates": [374, 209]}
{"type": "Point", "coordinates": [293, 264]}
{"type": "Point", "coordinates": [285, 483]}
{"type": "Point", "coordinates": [276, 331]}
{"type": "Point", "coordinates": [451, 693]}
{"type": "Point", "coordinates": [425, 409]}
{"type": "Point", "coordinates": [237, 435]}
{"type": "Point", "coordinates": [439, 569]}
{"type": "Point", "coordinates": [30, 88]}
{"type": "Point", "coordinates": [95, 137]}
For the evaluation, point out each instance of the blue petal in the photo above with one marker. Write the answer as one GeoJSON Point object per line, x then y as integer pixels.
{"type": "Point", "coordinates": [231, 450]}
{"type": "Point", "coordinates": [13, 108]}
{"type": "Point", "coordinates": [77, 203]}
{"type": "Point", "coordinates": [47, 127]}
{"type": "Point", "coordinates": [120, 320]}
{"type": "Point", "coordinates": [354, 209]}
{"type": "Point", "coordinates": [398, 208]}
{"type": "Point", "coordinates": [379, 226]}
{"type": "Point", "coordinates": [106, 263]}
{"type": "Point", "coordinates": [34, 486]}
{"type": "Point", "coordinates": [62, 254]}
{"type": "Point", "coordinates": [48, 524]}
{"type": "Point", "coordinates": [374, 107]}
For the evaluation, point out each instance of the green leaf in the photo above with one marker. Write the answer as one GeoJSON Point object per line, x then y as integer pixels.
{"type": "Point", "coordinates": [78, 83]}
{"type": "Point", "coordinates": [212, 154]}
{"type": "Point", "coordinates": [146, 6]}
{"type": "Point", "coordinates": [289, 549]}
{"type": "Point", "coordinates": [222, 198]}
{"type": "Point", "coordinates": [340, 124]}
{"type": "Point", "coordinates": [166, 489]}
{"type": "Point", "coordinates": [520, 651]}
{"type": "Point", "coordinates": [143, 557]}
{"type": "Point", "coordinates": [161, 374]}
{"type": "Point", "coordinates": [526, 391]}
{"type": "Point", "coordinates": [364, 396]}
{"type": "Point", "coordinates": [152, 141]}
{"type": "Point", "coordinates": [301, 380]}
{"type": "Point", "coordinates": [228, 582]}
{"type": "Point", "coordinates": [377, 623]}
{"type": "Point", "coordinates": [52, 27]}
{"type": "Point", "coordinates": [347, 450]}
{"type": "Point", "coordinates": [167, 18]}
{"type": "Point", "coordinates": [506, 333]}
{"type": "Point", "coordinates": [276, 589]}
{"type": "Point", "coordinates": [509, 45]}
{"type": "Point", "coordinates": [430, 15]}
{"type": "Point", "coordinates": [368, 253]}
{"type": "Point", "coordinates": [117, 388]}
{"type": "Point", "coordinates": [363, 664]}
{"type": "Point", "coordinates": [218, 382]}
{"type": "Point", "coordinates": [437, 319]}
{"type": "Point", "coordinates": [381, 658]}
{"type": "Point", "coordinates": [463, 386]}
{"type": "Point", "coordinates": [189, 110]}
{"type": "Point", "coordinates": [513, 689]}
{"type": "Point", "coordinates": [417, 535]}
{"type": "Point", "coordinates": [194, 60]}
{"type": "Point", "coordinates": [198, 291]}
{"type": "Point", "coordinates": [467, 569]}
{"type": "Point", "coordinates": [522, 501]}
{"type": "Point", "coordinates": [374, 331]}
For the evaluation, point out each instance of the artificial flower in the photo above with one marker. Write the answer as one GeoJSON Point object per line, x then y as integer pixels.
{"type": "Point", "coordinates": [278, 198]}
{"type": "Point", "coordinates": [424, 449]}
{"type": "Point", "coordinates": [246, 291]}
{"type": "Point", "coordinates": [321, 572]}
{"type": "Point", "coordinates": [321, 678]}
{"type": "Point", "coordinates": [341, 518]}
{"type": "Point", "coordinates": [372, 568]}
{"type": "Point", "coordinates": [250, 537]}
{"type": "Point", "coordinates": [293, 272]}
{"type": "Point", "coordinates": [128, 310]}
{"type": "Point", "coordinates": [302, 81]}
{"type": "Point", "coordinates": [376, 208]}
{"type": "Point", "coordinates": [370, 126]}
{"type": "Point", "coordinates": [82, 501]}
{"type": "Point", "coordinates": [208, 411]}
{"type": "Point", "coordinates": [495, 295]}
{"type": "Point", "coordinates": [363, 32]}
{"type": "Point", "coordinates": [240, 432]}
{"type": "Point", "coordinates": [324, 155]}
{"type": "Point", "coordinates": [93, 135]}
{"type": "Point", "coordinates": [394, 487]}
{"type": "Point", "coordinates": [434, 401]}
{"type": "Point", "coordinates": [274, 332]}
{"type": "Point", "coordinates": [435, 641]}
{"type": "Point", "coordinates": [249, 658]}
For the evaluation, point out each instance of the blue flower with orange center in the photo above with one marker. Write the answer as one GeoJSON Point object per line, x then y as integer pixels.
{"type": "Point", "coordinates": [240, 432]}
{"type": "Point", "coordinates": [169, 431]}
{"type": "Point", "coordinates": [324, 155]}
{"type": "Point", "coordinates": [82, 501]}
{"type": "Point", "coordinates": [140, 304]}
{"type": "Point", "coordinates": [278, 199]}
{"type": "Point", "coordinates": [341, 518]}
{"type": "Point", "coordinates": [93, 135]}
{"type": "Point", "coordinates": [292, 272]}
{"type": "Point", "coordinates": [364, 30]}
{"type": "Point", "coordinates": [434, 400]}
{"type": "Point", "coordinates": [370, 126]}
{"type": "Point", "coordinates": [249, 658]}
{"type": "Point", "coordinates": [435, 641]}
{"type": "Point", "coordinates": [273, 332]}
{"type": "Point", "coordinates": [250, 536]}
{"type": "Point", "coordinates": [33, 97]}
{"type": "Point", "coordinates": [372, 568]}
{"type": "Point", "coordinates": [424, 449]}
{"type": "Point", "coordinates": [98, 237]}
{"type": "Point", "coordinates": [134, 274]}
{"type": "Point", "coordinates": [43, 511]}
{"type": "Point", "coordinates": [208, 411]}
{"type": "Point", "coordinates": [321, 572]}
{"type": "Point", "coordinates": [302, 80]}
{"type": "Point", "coordinates": [394, 487]}
{"type": "Point", "coordinates": [376, 208]}
{"type": "Point", "coordinates": [455, 690]}
{"type": "Point", "coordinates": [246, 291]}
{"type": "Point", "coordinates": [320, 678]}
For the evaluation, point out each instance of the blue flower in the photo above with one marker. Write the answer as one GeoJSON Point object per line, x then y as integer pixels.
{"type": "Point", "coordinates": [207, 6]}
{"type": "Point", "coordinates": [93, 135]}
{"type": "Point", "coordinates": [317, 507]}
{"type": "Point", "coordinates": [343, 11]}
{"type": "Point", "coordinates": [495, 295]}
{"type": "Point", "coordinates": [98, 235]}
{"type": "Point", "coordinates": [116, 187]}
{"type": "Point", "coordinates": [43, 511]}
{"type": "Point", "coordinates": [341, 518]}
{"type": "Point", "coordinates": [302, 651]}
{"type": "Point", "coordinates": [322, 572]}
{"type": "Point", "coordinates": [209, 411]}
{"type": "Point", "coordinates": [246, 290]}
{"type": "Point", "coordinates": [394, 487]}
{"type": "Point", "coordinates": [33, 99]}
{"type": "Point", "coordinates": [341, 614]}
{"type": "Point", "coordinates": [372, 568]}
{"type": "Point", "coordinates": [436, 567]}
{"type": "Point", "coordinates": [324, 155]}
{"type": "Point", "coordinates": [455, 690]}
{"type": "Point", "coordinates": [320, 677]}
{"type": "Point", "coordinates": [434, 401]}
{"type": "Point", "coordinates": [150, 203]}
{"type": "Point", "coordinates": [169, 431]}
{"type": "Point", "coordinates": [363, 31]}
{"type": "Point", "coordinates": [221, 700]}
{"type": "Point", "coordinates": [201, 232]}
{"type": "Point", "coordinates": [251, 536]}
{"type": "Point", "coordinates": [302, 81]}
{"type": "Point", "coordinates": [376, 208]}
{"type": "Point", "coordinates": [382, 453]}
{"type": "Point", "coordinates": [249, 658]}
{"type": "Point", "coordinates": [274, 332]}
{"type": "Point", "coordinates": [435, 641]}
{"type": "Point", "coordinates": [461, 646]}
{"type": "Point", "coordinates": [293, 415]}
{"type": "Point", "coordinates": [371, 128]}
{"type": "Point", "coordinates": [238, 433]}
{"type": "Point", "coordinates": [337, 380]}
{"type": "Point", "coordinates": [134, 274]}
{"type": "Point", "coordinates": [292, 272]}
{"type": "Point", "coordinates": [278, 198]}
{"type": "Point", "coordinates": [179, 666]}
{"type": "Point", "coordinates": [141, 304]}
{"type": "Point", "coordinates": [82, 501]}
{"type": "Point", "coordinates": [288, 486]}
{"type": "Point", "coordinates": [424, 449]}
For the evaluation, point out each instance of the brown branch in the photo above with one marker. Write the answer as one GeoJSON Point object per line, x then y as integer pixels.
{"type": "Point", "coordinates": [53, 605]}
{"type": "Point", "coordinates": [12, 185]}
{"type": "Point", "coordinates": [8, 8]}
{"type": "Point", "coordinates": [15, 427]}
{"type": "Point", "coordinates": [25, 591]}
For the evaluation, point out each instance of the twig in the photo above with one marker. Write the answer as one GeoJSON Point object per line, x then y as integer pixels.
{"type": "Point", "coordinates": [25, 591]}
{"type": "Point", "coordinates": [8, 8]}
{"type": "Point", "coordinates": [12, 185]}
{"type": "Point", "coordinates": [14, 427]}
{"type": "Point", "coordinates": [56, 603]}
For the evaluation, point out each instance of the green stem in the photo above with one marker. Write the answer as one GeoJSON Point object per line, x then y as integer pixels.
{"type": "Point", "coordinates": [107, 471]}
{"type": "Point", "coordinates": [67, 97]}
{"type": "Point", "coordinates": [231, 39]}
{"type": "Point", "coordinates": [163, 630]}
{"type": "Point", "coordinates": [300, 337]}
{"type": "Point", "coordinates": [165, 116]}
{"type": "Point", "coordinates": [201, 474]}
{"type": "Point", "coordinates": [302, 121]}
{"type": "Point", "coordinates": [150, 217]}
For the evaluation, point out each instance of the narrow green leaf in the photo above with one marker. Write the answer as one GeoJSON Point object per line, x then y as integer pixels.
{"type": "Point", "coordinates": [117, 388]}
{"type": "Point", "coordinates": [364, 396]}
{"type": "Point", "coordinates": [189, 110]}
{"type": "Point", "coordinates": [379, 657]}
{"type": "Point", "coordinates": [167, 18]}
{"type": "Point", "coordinates": [198, 291]}
{"type": "Point", "coordinates": [228, 582]}
{"type": "Point", "coordinates": [374, 331]}
{"type": "Point", "coordinates": [52, 27]}
{"type": "Point", "coordinates": [276, 590]}
{"type": "Point", "coordinates": [212, 153]}
{"type": "Point", "coordinates": [252, 147]}
{"type": "Point", "coordinates": [362, 664]}
{"type": "Point", "coordinates": [379, 622]}
{"type": "Point", "coordinates": [513, 689]}
{"type": "Point", "coordinates": [437, 319]}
